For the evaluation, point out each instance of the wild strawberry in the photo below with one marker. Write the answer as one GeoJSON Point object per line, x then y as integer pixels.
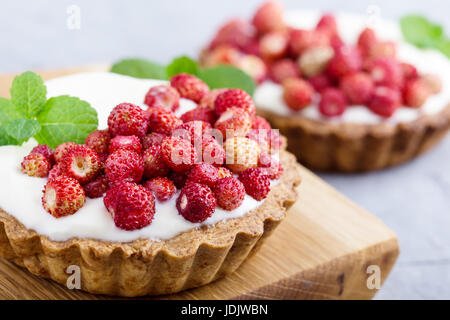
{"type": "Point", "coordinates": [98, 141]}
{"type": "Point", "coordinates": [192, 130]}
{"type": "Point", "coordinates": [200, 113]}
{"type": "Point", "coordinates": [409, 71]}
{"type": "Point", "coordinates": [196, 202]}
{"type": "Point", "coordinates": [81, 163]}
{"type": "Point", "coordinates": [222, 54]}
{"type": "Point", "coordinates": [367, 40]}
{"type": "Point", "coordinates": [315, 60]}
{"type": "Point", "coordinates": [254, 66]}
{"type": "Point", "coordinates": [415, 93]}
{"type": "Point", "coordinates": [261, 123]}
{"type": "Point", "coordinates": [210, 97]}
{"type": "Point", "coordinates": [234, 121]}
{"type": "Point", "coordinates": [234, 98]}
{"type": "Point", "coordinates": [300, 40]}
{"type": "Point", "coordinates": [433, 82]}
{"type": "Point", "coordinates": [36, 165]}
{"type": "Point", "coordinates": [229, 193]}
{"type": "Point", "coordinates": [212, 151]}
{"type": "Point", "coordinates": [154, 164]}
{"type": "Point", "coordinates": [270, 166]}
{"type": "Point", "coordinates": [237, 33]}
{"type": "Point", "coordinates": [357, 87]}
{"type": "Point", "coordinates": [63, 196]}
{"type": "Point", "coordinates": [131, 143]}
{"type": "Point", "coordinates": [131, 205]}
{"type": "Point", "coordinates": [45, 151]}
{"type": "Point", "coordinates": [126, 119]}
{"type": "Point", "coordinates": [241, 154]}
{"type": "Point", "coordinates": [161, 187]}
{"type": "Point", "coordinates": [97, 187]}
{"type": "Point", "coordinates": [345, 61]}
{"type": "Point", "coordinates": [178, 178]}
{"type": "Point", "coordinates": [328, 24]}
{"type": "Point", "coordinates": [224, 172]}
{"type": "Point", "coordinates": [297, 93]}
{"type": "Point", "coordinates": [273, 45]}
{"type": "Point", "coordinates": [178, 153]}
{"type": "Point", "coordinates": [385, 101]}
{"type": "Point", "coordinates": [269, 141]}
{"type": "Point", "coordinates": [386, 71]}
{"type": "Point", "coordinates": [256, 183]}
{"type": "Point", "coordinates": [151, 139]}
{"type": "Point", "coordinates": [283, 69]}
{"type": "Point", "coordinates": [269, 17]}
{"type": "Point", "coordinates": [62, 149]}
{"type": "Point", "coordinates": [383, 49]}
{"type": "Point", "coordinates": [56, 171]}
{"type": "Point", "coordinates": [252, 48]}
{"type": "Point", "coordinates": [163, 96]}
{"type": "Point", "coordinates": [321, 82]}
{"type": "Point", "coordinates": [161, 120]}
{"type": "Point", "coordinates": [203, 173]}
{"type": "Point", "coordinates": [332, 103]}
{"type": "Point", "coordinates": [189, 86]}
{"type": "Point", "coordinates": [124, 165]}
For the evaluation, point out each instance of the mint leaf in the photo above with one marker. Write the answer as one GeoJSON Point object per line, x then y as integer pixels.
{"type": "Point", "coordinates": [444, 47]}
{"type": "Point", "coordinates": [5, 139]}
{"type": "Point", "coordinates": [8, 112]}
{"type": "Point", "coordinates": [64, 119]}
{"type": "Point", "coordinates": [28, 94]}
{"type": "Point", "coordinates": [420, 32]}
{"type": "Point", "coordinates": [140, 68]}
{"type": "Point", "coordinates": [227, 77]}
{"type": "Point", "coordinates": [22, 129]}
{"type": "Point", "coordinates": [182, 64]}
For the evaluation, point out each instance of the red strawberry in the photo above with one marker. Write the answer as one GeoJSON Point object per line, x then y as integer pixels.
{"type": "Point", "coordinates": [270, 166]}
{"type": "Point", "coordinates": [56, 171]}
{"type": "Point", "coordinates": [222, 54]}
{"type": "Point", "coordinates": [415, 93]}
{"type": "Point", "coordinates": [189, 86]}
{"type": "Point", "coordinates": [346, 60]}
{"type": "Point", "coordinates": [200, 113]}
{"type": "Point", "coordinates": [385, 101]}
{"type": "Point", "coordinates": [386, 71]}
{"type": "Point", "coordinates": [178, 153]}
{"type": "Point", "coordinates": [36, 165]}
{"type": "Point", "coordinates": [97, 187]}
{"type": "Point", "coordinates": [301, 40]}
{"type": "Point", "coordinates": [154, 164]}
{"type": "Point", "coordinates": [161, 187]}
{"type": "Point", "coordinates": [161, 120]}
{"type": "Point", "coordinates": [297, 93]}
{"type": "Point", "coordinates": [224, 172]}
{"type": "Point", "coordinates": [283, 69]}
{"type": "Point", "coordinates": [328, 24]}
{"type": "Point", "coordinates": [45, 151]}
{"type": "Point", "coordinates": [81, 163]}
{"type": "Point", "coordinates": [229, 193]}
{"type": "Point", "coordinates": [268, 140]}
{"type": "Point", "coordinates": [254, 66]}
{"type": "Point", "coordinates": [62, 149]}
{"type": "Point", "coordinates": [131, 143]}
{"type": "Point", "coordinates": [203, 173]}
{"type": "Point", "coordinates": [126, 119]}
{"type": "Point", "coordinates": [261, 123]}
{"type": "Point", "coordinates": [124, 165]}
{"type": "Point", "coordinates": [131, 205]}
{"type": "Point", "coordinates": [210, 97]}
{"type": "Point", "coordinates": [63, 196]}
{"type": "Point", "coordinates": [151, 139]}
{"type": "Point", "coordinates": [178, 178]}
{"type": "Point", "coordinates": [234, 122]}
{"type": "Point", "coordinates": [98, 141]}
{"type": "Point", "coordinates": [163, 96]}
{"type": "Point", "coordinates": [367, 40]}
{"type": "Point", "coordinates": [357, 87]}
{"type": "Point", "coordinates": [269, 17]}
{"type": "Point", "coordinates": [409, 71]}
{"type": "Point", "coordinates": [192, 130]}
{"type": "Point", "coordinates": [212, 151]}
{"type": "Point", "coordinates": [256, 183]}
{"type": "Point", "coordinates": [332, 103]}
{"type": "Point", "coordinates": [321, 82]}
{"type": "Point", "coordinates": [237, 33]}
{"type": "Point", "coordinates": [196, 202]}
{"type": "Point", "coordinates": [234, 98]}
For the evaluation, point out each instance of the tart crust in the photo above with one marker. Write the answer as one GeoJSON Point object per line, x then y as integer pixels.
{"type": "Point", "coordinates": [145, 267]}
{"type": "Point", "coordinates": [351, 147]}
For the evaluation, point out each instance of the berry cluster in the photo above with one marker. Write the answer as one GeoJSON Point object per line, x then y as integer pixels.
{"type": "Point", "coordinates": [317, 63]}
{"type": "Point", "coordinates": [145, 155]}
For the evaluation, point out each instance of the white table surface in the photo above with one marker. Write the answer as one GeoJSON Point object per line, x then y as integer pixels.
{"type": "Point", "coordinates": [411, 199]}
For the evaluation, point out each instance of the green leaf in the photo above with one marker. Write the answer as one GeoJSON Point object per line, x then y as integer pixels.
{"type": "Point", "coordinates": [8, 112]}
{"type": "Point", "coordinates": [420, 32]}
{"type": "Point", "coordinates": [28, 94]}
{"type": "Point", "coordinates": [64, 119]}
{"type": "Point", "coordinates": [227, 77]}
{"type": "Point", "coordinates": [5, 139]}
{"type": "Point", "coordinates": [22, 129]}
{"type": "Point", "coordinates": [444, 47]}
{"type": "Point", "coordinates": [182, 64]}
{"type": "Point", "coordinates": [140, 68]}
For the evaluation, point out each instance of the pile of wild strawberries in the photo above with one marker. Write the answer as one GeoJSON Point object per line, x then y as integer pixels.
{"type": "Point", "coordinates": [146, 155]}
{"type": "Point", "coordinates": [317, 63]}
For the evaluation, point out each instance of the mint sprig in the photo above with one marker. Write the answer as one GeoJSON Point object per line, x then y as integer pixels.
{"type": "Point", "coordinates": [423, 33]}
{"type": "Point", "coordinates": [52, 122]}
{"type": "Point", "coordinates": [223, 76]}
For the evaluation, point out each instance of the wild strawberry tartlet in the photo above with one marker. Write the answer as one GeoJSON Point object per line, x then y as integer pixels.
{"type": "Point", "coordinates": [163, 198]}
{"type": "Point", "coordinates": [348, 93]}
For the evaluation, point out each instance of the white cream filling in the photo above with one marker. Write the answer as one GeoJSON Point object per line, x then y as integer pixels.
{"type": "Point", "coordinates": [20, 195]}
{"type": "Point", "coordinates": [268, 96]}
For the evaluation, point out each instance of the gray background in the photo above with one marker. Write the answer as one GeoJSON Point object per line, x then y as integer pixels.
{"type": "Point", "coordinates": [412, 199]}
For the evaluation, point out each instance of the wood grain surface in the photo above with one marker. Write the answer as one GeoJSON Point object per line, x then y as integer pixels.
{"type": "Point", "coordinates": [321, 251]}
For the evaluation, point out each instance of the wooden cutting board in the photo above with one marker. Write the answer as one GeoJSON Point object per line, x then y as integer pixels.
{"type": "Point", "coordinates": [325, 249]}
